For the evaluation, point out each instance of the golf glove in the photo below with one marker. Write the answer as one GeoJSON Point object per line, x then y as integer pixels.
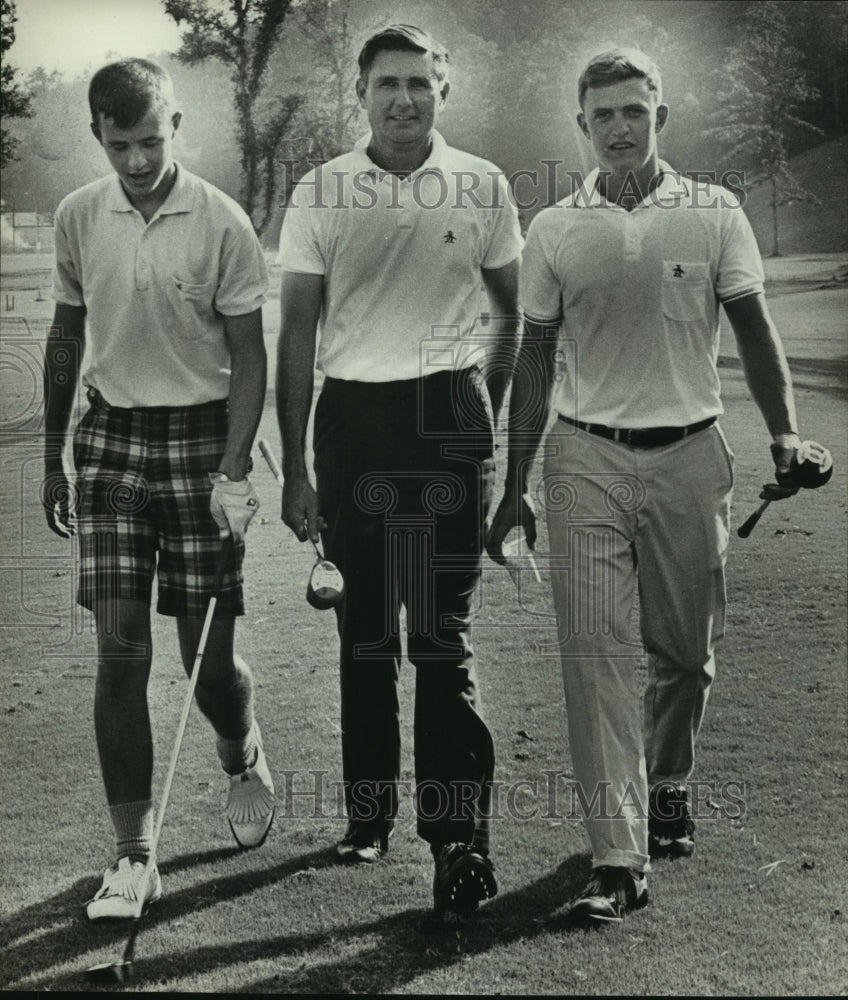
{"type": "Point", "coordinates": [232, 504]}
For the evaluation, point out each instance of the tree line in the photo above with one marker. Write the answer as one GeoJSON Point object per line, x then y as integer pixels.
{"type": "Point", "coordinates": [267, 87]}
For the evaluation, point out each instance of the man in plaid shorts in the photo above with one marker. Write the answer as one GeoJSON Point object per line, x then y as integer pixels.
{"type": "Point", "coordinates": [160, 279]}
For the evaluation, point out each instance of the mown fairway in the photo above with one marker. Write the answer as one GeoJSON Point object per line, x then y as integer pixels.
{"type": "Point", "coordinates": [760, 910]}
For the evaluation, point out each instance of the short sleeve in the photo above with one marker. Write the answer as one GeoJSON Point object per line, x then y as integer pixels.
{"type": "Point", "coordinates": [300, 243]}
{"type": "Point", "coordinates": [67, 288]}
{"type": "Point", "coordinates": [243, 279]}
{"type": "Point", "coordinates": [505, 240]}
{"type": "Point", "coordinates": [539, 289]}
{"type": "Point", "coordinates": [740, 267]}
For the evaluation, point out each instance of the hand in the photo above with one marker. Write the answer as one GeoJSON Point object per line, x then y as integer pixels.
{"type": "Point", "coordinates": [57, 495]}
{"type": "Point", "coordinates": [783, 450]}
{"type": "Point", "coordinates": [513, 510]}
{"type": "Point", "coordinates": [806, 464]}
{"type": "Point", "coordinates": [300, 509]}
{"type": "Point", "coordinates": [233, 505]}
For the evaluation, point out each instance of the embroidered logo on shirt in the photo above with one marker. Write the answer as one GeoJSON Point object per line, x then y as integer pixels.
{"type": "Point", "coordinates": [678, 271]}
{"type": "Point", "coordinates": [449, 237]}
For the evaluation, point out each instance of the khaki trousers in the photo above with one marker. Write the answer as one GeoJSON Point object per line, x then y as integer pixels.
{"type": "Point", "coordinates": [624, 522]}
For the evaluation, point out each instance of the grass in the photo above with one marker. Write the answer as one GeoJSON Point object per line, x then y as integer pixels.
{"type": "Point", "coordinates": [758, 911]}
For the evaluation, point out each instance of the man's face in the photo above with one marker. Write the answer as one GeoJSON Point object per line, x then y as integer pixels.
{"type": "Point", "coordinates": [142, 156]}
{"type": "Point", "coordinates": [622, 122]}
{"type": "Point", "coordinates": [402, 97]}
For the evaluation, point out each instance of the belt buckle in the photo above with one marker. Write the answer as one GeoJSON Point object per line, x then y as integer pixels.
{"type": "Point", "coordinates": [628, 436]}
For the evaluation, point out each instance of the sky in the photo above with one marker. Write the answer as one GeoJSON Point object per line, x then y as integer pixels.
{"type": "Point", "coordinates": [75, 36]}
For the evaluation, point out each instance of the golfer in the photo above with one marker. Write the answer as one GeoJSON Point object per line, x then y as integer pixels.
{"type": "Point", "coordinates": [387, 250]}
{"type": "Point", "coordinates": [622, 282]}
{"type": "Point", "coordinates": [160, 279]}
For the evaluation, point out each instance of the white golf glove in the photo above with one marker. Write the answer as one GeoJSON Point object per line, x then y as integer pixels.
{"type": "Point", "coordinates": [232, 504]}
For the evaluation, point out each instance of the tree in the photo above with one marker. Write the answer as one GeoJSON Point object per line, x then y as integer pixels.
{"type": "Point", "coordinates": [320, 64]}
{"type": "Point", "coordinates": [243, 37]}
{"type": "Point", "coordinates": [762, 86]}
{"type": "Point", "coordinates": [329, 27]}
{"type": "Point", "coordinates": [823, 34]}
{"type": "Point", "coordinates": [14, 101]}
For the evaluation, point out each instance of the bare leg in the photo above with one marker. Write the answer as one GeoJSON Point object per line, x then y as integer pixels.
{"type": "Point", "coordinates": [225, 684]}
{"type": "Point", "coordinates": [121, 718]}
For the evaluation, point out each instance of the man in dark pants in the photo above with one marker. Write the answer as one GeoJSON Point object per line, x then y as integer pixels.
{"type": "Point", "coordinates": [388, 248]}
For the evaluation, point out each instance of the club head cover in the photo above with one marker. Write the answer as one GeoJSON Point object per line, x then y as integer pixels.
{"type": "Point", "coordinates": [812, 466]}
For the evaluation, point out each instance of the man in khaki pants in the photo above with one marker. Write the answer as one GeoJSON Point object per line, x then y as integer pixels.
{"type": "Point", "coordinates": [623, 281]}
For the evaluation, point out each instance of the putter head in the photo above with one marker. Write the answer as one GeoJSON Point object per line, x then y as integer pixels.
{"type": "Point", "coordinates": [326, 585]}
{"type": "Point", "coordinates": [109, 973]}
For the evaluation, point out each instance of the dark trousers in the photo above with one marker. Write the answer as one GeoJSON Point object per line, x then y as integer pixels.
{"type": "Point", "coordinates": [404, 474]}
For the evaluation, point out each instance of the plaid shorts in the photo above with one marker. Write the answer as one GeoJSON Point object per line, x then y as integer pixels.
{"type": "Point", "coordinates": [142, 507]}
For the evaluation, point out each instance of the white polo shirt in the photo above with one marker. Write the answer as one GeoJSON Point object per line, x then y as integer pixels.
{"type": "Point", "coordinates": [156, 293]}
{"type": "Point", "coordinates": [401, 259]}
{"type": "Point", "coordinates": [637, 295]}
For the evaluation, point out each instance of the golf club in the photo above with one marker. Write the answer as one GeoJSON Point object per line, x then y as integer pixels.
{"type": "Point", "coordinates": [273, 464]}
{"type": "Point", "coordinates": [326, 584]}
{"type": "Point", "coordinates": [745, 529]}
{"type": "Point", "coordinates": [121, 971]}
{"type": "Point", "coordinates": [811, 468]}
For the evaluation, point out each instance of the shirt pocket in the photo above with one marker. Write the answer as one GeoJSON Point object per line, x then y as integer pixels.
{"type": "Point", "coordinates": [198, 296]}
{"type": "Point", "coordinates": [684, 289]}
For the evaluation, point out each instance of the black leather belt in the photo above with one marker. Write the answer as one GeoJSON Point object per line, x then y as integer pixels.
{"type": "Point", "coordinates": [642, 437]}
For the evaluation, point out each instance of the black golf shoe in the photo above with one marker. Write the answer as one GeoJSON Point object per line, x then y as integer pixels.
{"type": "Point", "coordinates": [609, 894]}
{"type": "Point", "coordinates": [363, 843]}
{"type": "Point", "coordinates": [670, 825]}
{"type": "Point", "coordinates": [464, 878]}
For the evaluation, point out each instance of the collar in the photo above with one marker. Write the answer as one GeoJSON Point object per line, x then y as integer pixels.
{"type": "Point", "coordinates": [180, 198]}
{"type": "Point", "coordinates": [672, 188]}
{"type": "Point", "coordinates": [435, 162]}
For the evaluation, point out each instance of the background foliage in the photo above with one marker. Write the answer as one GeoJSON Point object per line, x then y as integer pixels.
{"type": "Point", "coordinates": [514, 68]}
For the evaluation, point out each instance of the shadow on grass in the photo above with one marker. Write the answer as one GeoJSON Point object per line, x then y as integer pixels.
{"type": "Point", "coordinates": [414, 943]}
{"type": "Point", "coordinates": [64, 934]}
{"type": "Point", "coordinates": [408, 945]}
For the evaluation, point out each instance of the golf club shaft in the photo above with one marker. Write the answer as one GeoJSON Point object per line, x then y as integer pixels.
{"type": "Point", "coordinates": [226, 549]}
{"type": "Point", "coordinates": [745, 529]}
{"type": "Point", "coordinates": [269, 457]}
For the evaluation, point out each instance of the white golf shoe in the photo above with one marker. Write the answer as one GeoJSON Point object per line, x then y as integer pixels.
{"type": "Point", "coordinates": [251, 803]}
{"type": "Point", "coordinates": [117, 898]}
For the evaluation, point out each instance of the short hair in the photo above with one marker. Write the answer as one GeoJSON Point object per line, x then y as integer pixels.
{"type": "Point", "coordinates": [127, 90]}
{"type": "Point", "coordinates": [403, 38]}
{"type": "Point", "coordinates": [616, 65]}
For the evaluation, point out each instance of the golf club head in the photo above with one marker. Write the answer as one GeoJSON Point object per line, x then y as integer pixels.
{"type": "Point", "coordinates": [326, 585]}
{"type": "Point", "coordinates": [109, 973]}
